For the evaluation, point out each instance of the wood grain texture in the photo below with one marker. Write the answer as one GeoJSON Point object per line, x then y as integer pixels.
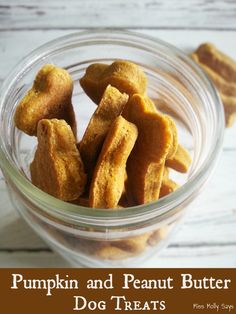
{"type": "Point", "coordinates": [200, 257]}
{"type": "Point", "coordinates": [117, 13]}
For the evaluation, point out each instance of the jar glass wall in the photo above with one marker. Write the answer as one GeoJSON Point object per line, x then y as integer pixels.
{"type": "Point", "coordinates": [130, 236]}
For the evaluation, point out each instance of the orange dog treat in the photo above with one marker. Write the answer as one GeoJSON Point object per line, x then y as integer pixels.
{"type": "Point", "coordinates": [112, 253]}
{"type": "Point", "coordinates": [135, 244]}
{"type": "Point", "coordinates": [226, 89]}
{"type": "Point", "coordinates": [57, 168]}
{"type": "Point", "coordinates": [126, 76]}
{"type": "Point", "coordinates": [158, 235]}
{"type": "Point", "coordinates": [168, 186]}
{"type": "Point", "coordinates": [145, 165]}
{"type": "Point", "coordinates": [124, 248]}
{"type": "Point", "coordinates": [174, 131]}
{"type": "Point", "coordinates": [230, 109]}
{"type": "Point", "coordinates": [152, 108]}
{"type": "Point", "coordinates": [217, 61]}
{"type": "Point", "coordinates": [90, 81]}
{"type": "Point", "coordinates": [181, 160]}
{"type": "Point", "coordinates": [110, 107]}
{"type": "Point", "coordinates": [50, 97]}
{"type": "Point", "coordinates": [109, 174]}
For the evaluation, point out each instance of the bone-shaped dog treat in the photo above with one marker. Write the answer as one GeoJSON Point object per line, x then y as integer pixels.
{"type": "Point", "coordinates": [135, 244]}
{"type": "Point", "coordinates": [109, 174]}
{"type": "Point", "coordinates": [126, 76]}
{"type": "Point", "coordinates": [174, 145]}
{"type": "Point", "coordinates": [50, 97]}
{"type": "Point", "coordinates": [167, 186]}
{"type": "Point", "coordinates": [176, 151]}
{"type": "Point", "coordinates": [145, 165]}
{"type": "Point", "coordinates": [181, 161]}
{"type": "Point", "coordinates": [57, 167]}
{"type": "Point", "coordinates": [152, 108]}
{"type": "Point", "coordinates": [226, 89]}
{"type": "Point", "coordinates": [90, 81]}
{"type": "Point", "coordinates": [217, 61]}
{"type": "Point", "coordinates": [112, 253]}
{"type": "Point", "coordinates": [124, 248]}
{"type": "Point", "coordinates": [230, 109]}
{"type": "Point", "coordinates": [110, 107]}
{"type": "Point", "coordinates": [158, 235]}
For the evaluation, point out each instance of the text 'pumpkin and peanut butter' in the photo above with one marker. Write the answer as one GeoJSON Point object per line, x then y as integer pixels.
{"type": "Point", "coordinates": [109, 108]}
{"type": "Point", "coordinates": [221, 69]}
{"type": "Point", "coordinates": [57, 167]}
{"type": "Point", "coordinates": [146, 163]}
{"type": "Point", "coordinates": [109, 175]}
{"type": "Point", "coordinates": [126, 76]}
{"type": "Point", "coordinates": [49, 97]}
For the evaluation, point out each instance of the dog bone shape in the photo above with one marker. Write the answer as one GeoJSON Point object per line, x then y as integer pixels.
{"type": "Point", "coordinates": [57, 168]}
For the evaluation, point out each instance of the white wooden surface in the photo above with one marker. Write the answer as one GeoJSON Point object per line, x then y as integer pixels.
{"type": "Point", "coordinates": [208, 236]}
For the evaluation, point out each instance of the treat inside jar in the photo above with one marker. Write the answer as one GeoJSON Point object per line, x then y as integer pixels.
{"type": "Point", "coordinates": [124, 157]}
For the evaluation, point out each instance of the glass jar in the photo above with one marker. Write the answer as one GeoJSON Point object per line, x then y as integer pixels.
{"type": "Point", "coordinates": [123, 237]}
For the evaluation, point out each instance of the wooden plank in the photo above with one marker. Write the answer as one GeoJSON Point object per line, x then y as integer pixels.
{"type": "Point", "coordinates": [194, 14]}
{"type": "Point", "coordinates": [168, 258]}
{"type": "Point", "coordinates": [28, 260]}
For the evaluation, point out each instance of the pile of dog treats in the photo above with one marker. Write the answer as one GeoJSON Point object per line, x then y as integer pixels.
{"type": "Point", "coordinates": [123, 157]}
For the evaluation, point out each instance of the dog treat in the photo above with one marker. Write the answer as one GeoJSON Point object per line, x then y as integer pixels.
{"type": "Point", "coordinates": [126, 76]}
{"type": "Point", "coordinates": [57, 167]}
{"type": "Point", "coordinates": [124, 248]}
{"type": "Point", "coordinates": [49, 97]}
{"type": "Point", "coordinates": [135, 244]}
{"type": "Point", "coordinates": [167, 186]}
{"type": "Point", "coordinates": [158, 235]}
{"type": "Point", "coordinates": [145, 165]}
{"type": "Point", "coordinates": [181, 160]}
{"type": "Point", "coordinates": [230, 109]}
{"type": "Point", "coordinates": [225, 87]}
{"type": "Point", "coordinates": [217, 61]}
{"type": "Point", "coordinates": [109, 174]}
{"type": "Point", "coordinates": [222, 70]}
{"type": "Point", "coordinates": [122, 158]}
{"type": "Point", "coordinates": [152, 108]}
{"type": "Point", "coordinates": [110, 107]}
{"type": "Point", "coordinates": [174, 145]}
{"type": "Point", "coordinates": [112, 253]}
{"type": "Point", "coordinates": [90, 81]}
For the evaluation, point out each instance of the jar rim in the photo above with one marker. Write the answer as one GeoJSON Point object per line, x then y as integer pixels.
{"type": "Point", "coordinates": [130, 215]}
